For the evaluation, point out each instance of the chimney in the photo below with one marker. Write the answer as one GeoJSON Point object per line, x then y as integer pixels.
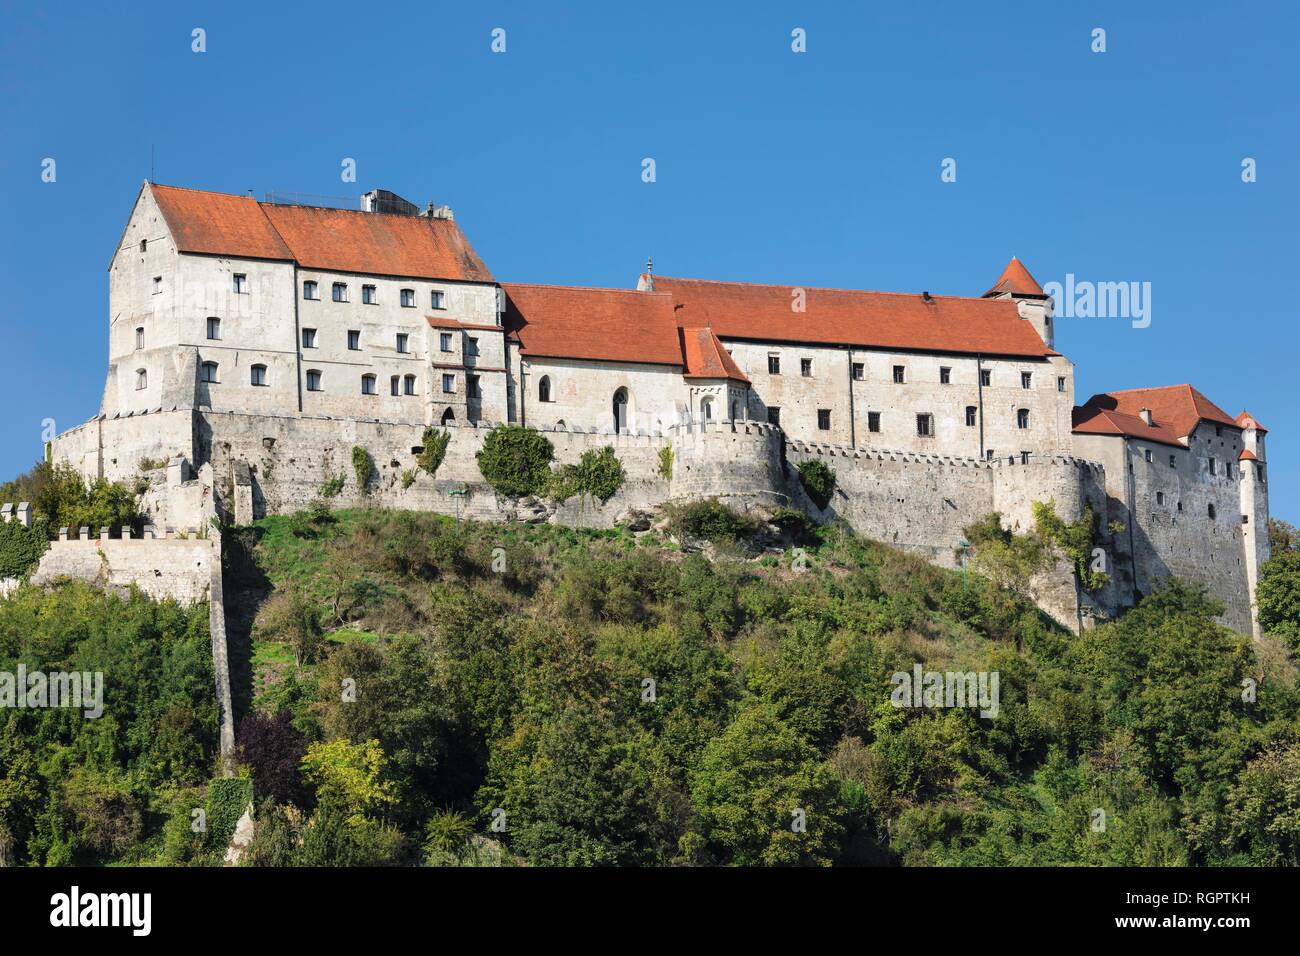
{"type": "Point", "coordinates": [1146, 416]}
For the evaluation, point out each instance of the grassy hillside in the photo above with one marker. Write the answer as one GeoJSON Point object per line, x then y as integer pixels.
{"type": "Point", "coordinates": [408, 692]}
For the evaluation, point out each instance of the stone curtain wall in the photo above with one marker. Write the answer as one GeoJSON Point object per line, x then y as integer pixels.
{"type": "Point", "coordinates": [290, 458]}
{"type": "Point", "coordinates": [170, 566]}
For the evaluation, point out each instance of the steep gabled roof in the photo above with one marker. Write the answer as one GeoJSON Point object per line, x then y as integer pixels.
{"type": "Point", "coordinates": [706, 357]}
{"type": "Point", "coordinates": [339, 240]}
{"type": "Point", "coordinates": [739, 310]}
{"type": "Point", "coordinates": [219, 224]}
{"type": "Point", "coordinates": [611, 325]}
{"type": "Point", "coordinates": [1015, 279]}
{"type": "Point", "coordinates": [1176, 410]}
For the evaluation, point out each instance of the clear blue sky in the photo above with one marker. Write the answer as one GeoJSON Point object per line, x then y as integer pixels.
{"type": "Point", "coordinates": [819, 168]}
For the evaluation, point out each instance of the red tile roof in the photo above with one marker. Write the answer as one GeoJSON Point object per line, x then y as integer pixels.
{"type": "Point", "coordinates": [1247, 420]}
{"type": "Point", "coordinates": [612, 325]}
{"type": "Point", "coordinates": [1175, 412]}
{"type": "Point", "coordinates": [340, 240]}
{"type": "Point", "coordinates": [219, 224]}
{"type": "Point", "coordinates": [706, 357]}
{"type": "Point", "coordinates": [1015, 279]}
{"type": "Point", "coordinates": [345, 240]}
{"type": "Point", "coordinates": [1089, 420]}
{"type": "Point", "coordinates": [1247, 455]}
{"type": "Point", "coordinates": [896, 320]}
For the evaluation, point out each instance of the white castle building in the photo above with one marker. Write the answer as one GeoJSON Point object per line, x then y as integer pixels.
{"type": "Point", "coordinates": [261, 340]}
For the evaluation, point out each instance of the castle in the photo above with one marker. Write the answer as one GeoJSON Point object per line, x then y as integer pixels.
{"type": "Point", "coordinates": [253, 344]}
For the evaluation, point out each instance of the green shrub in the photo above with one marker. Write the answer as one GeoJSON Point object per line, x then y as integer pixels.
{"type": "Point", "coordinates": [818, 480]}
{"type": "Point", "coordinates": [228, 797]}
{"type": "Point", "coordinates": [363, 466]}
{"type": "Point", "coordinates": [408, 478]}
{"type": "Point", "coordinates": [64, 499]}
{"type": "Point", "coordinates": [20, 548]}
{"type": "Point", "coordinates": [1076, 538]}
{"type": "Point", "coordinates": [516, 461]}
{"type": "Point", "coordinates": [597, 473]}
{"type": "Point", "coordinates": [435, 450]}
{"type": "Point", "coordinates": [666, 463]}
{"type": "Point", "coordinates": [710, 519]}
{"type": "Point", "coordinates": [331, 486]}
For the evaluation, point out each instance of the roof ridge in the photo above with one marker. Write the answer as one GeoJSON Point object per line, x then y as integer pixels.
{"type": "Point", "coordinates": [815, 288]}
{"type": "Point", "coordinates": [587, 288]}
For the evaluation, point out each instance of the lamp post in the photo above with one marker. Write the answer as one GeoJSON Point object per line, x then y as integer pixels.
{"type": "Point", "coordinates": [457, 494]}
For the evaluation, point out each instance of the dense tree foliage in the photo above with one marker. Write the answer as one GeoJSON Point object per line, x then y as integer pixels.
{"type": "Point", "coordinates": [486, 695]}
{"type": "Point", "coordinates": [75, 789]}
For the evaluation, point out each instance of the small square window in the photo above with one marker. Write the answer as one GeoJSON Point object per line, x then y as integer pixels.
{"type": "Point", "coordinates": [924, 425]}
{"type": "Point", "coordinates": [408, 298]}
{"type": "Point", "coordinates": [144, 245]}
{"type": "Point", "coordinates": [1148, 455]}
{"type": "Point", "coordinates": [340, 292]}
{"type": "Point", "coordinates": [873, 421]}
{"type": "Point", "coordinates": [310, 290]}
{"type": "Point", "coordinates": [945, 375]}
{"type": "Point", "coordinates": [368, 385]}
{"type": "Point", "coordinates": [823, 419]}
{"type": "Point", "coordinates": [139, 337]}
{"type": "Point", "coordinates": [409, 385]}
{"type": "Point", "coordinates": [1160, 497]}
{"type": "Point", "coordinates": [900, 374]}
{"type": "Point", "coordinates": [369, 296]}
{"type": "Point", "coordinates": [471, 348]}
{"type": "Point", "coordinates": [309, 338]}
{"type": "Point", "coordinates": [972, 415]}
{"type": "Point", "coordinates": [241, 282]}
{"type": "Point", "coordinates": [1173, 461]}
{"type": "Point", "coordinates": [395, 385]}
{"type": "Point", "coordinates": [354, 340]}
{"type": "Point", "coordinates": [1214, 467]}
{"type": "Point", "coordinates": [141, 380]}
{"type": "Point", "coordinates": [214, 329]}
{"type": "Point", "coordinates": [805, 367]}
{"type": "Point", "coordinates": [444, 341]}
{"type": "Point", "coordinates": [448, 383]}
{"type": "Point", "coordinates": [401, 342]}
{"type": "Point", "coordinates": [1024, 458]}
{"type": "Point", "coordinates": [859, 372]}
{"type": "Point", "coordinates": [1026, 379]}
{"type": "Point", "coordinates": [257, 375]}
{"type": "Point", "coordinates": [773, 415]}
{"type": "Point", "coordinates": [313, 380]}
{"type": "Point", "coordinates": [1060, 383]}
{"type": "Point", "coordinates": [773, 365]}
{"type": "Point", "coordinates": [989, 454]}
{"type": "Point", "coordinates": [437, 300]}
{"type": "Point", "coordinates": [986, 377]}
{"type": "Point", "coordinates": [157, 285]}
